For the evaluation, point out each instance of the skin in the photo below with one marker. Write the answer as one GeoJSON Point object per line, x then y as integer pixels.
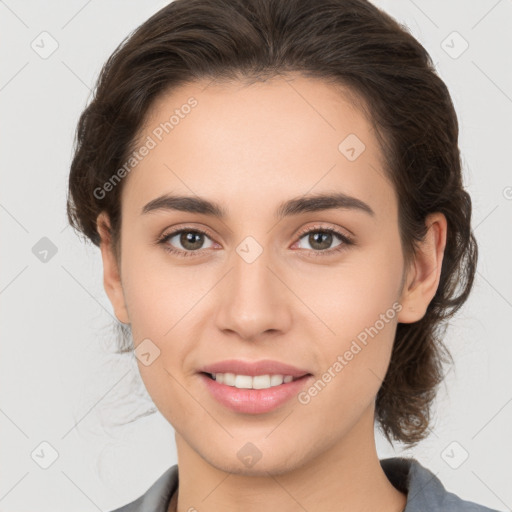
{"type": "Point", "coordinates": [250, 147]}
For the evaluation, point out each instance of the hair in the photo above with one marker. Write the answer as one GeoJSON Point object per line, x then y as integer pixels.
{"type": "Point", "coordinates": [386, 72]}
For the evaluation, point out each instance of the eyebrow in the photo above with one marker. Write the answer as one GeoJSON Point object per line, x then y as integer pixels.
{"type": "Point", "coordinates": [294, 206]}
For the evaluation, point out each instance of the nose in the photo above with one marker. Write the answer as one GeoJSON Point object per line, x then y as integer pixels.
{"type": "Point", "coordinates": [254, 298]}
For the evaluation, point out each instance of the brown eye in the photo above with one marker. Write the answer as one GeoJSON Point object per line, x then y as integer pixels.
{"type": "Point", "coordinates": [321, 240]}
{"type": "Point", "coordinates": [184, 241]}
{"type": "Point", "coordinates": [191, 240]}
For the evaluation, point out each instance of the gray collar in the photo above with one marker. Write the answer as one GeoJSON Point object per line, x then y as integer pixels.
{"type": "Point", "coordinates": [424, 490]}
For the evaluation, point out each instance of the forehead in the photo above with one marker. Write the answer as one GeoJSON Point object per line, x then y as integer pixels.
{"type": "Point", "coordinates": [283, 137]}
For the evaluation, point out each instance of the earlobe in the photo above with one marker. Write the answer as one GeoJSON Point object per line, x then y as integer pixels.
{"type": "Point", "coordinates": [425, 271]}
{"type": "Point", "coordinates": [111, 275]}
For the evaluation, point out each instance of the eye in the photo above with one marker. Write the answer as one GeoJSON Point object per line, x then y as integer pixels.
{"type": "Point", "coordinates": [320, 239]}
{"type": "Point", "coordinates": [192, 241]}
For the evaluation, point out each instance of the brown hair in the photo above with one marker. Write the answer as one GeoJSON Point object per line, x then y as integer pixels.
{"type": "Point", "coordinates": [346, 42]}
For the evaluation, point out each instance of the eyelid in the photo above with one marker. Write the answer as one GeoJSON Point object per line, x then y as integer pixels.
{"type": "Point", "coordinates": [174, 230]}
{"type": "Point", "coordinates": [190, 227]}
{"type": "Point", "coordinates": [320, 227]}
{"type": "Point", "coordinates": [346, 239]}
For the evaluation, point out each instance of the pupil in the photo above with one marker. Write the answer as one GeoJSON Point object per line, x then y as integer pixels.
{"type": "Point", "coordinates": [320, 235]}
{"type": "Point", "coordinates": [189, 239]}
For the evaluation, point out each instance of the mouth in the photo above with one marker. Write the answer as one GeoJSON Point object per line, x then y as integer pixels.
{"type": "Point", "coordinates": [253, 382]}
{"type": "Point", "coordinates": [254, 394]}
{"type": "Point", "coordinates": [254, 387]}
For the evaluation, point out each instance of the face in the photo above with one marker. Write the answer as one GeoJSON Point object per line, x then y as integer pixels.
{"type": "Point", "coordinates": [318, 286]}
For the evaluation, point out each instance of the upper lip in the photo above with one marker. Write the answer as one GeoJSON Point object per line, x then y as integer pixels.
{"type": "Point", "coordinates": [252, 368]}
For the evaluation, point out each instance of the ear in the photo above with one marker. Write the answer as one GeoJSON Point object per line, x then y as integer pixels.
{"type": "Point", "coordinates": [111, 273]}
{"type": "Point", "coordinates": [424, 271]}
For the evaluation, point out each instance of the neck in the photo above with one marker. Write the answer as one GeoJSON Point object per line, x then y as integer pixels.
{"type": "Point", "coordinates": [346, 477]}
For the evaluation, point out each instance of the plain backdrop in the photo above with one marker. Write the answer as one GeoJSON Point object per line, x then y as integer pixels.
{"type": "Point", "coordinates": [60, 390]}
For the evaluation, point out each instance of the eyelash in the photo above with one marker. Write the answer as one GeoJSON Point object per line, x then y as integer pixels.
{"type": "Point", "coordinates": [346, 241]}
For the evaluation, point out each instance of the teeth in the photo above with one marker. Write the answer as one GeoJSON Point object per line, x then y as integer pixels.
{"type": "Point", "coordinates": [248, 382]}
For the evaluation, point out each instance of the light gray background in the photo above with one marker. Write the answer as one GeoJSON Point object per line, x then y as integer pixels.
{"type": "Point", "coordinates": [58, 383]}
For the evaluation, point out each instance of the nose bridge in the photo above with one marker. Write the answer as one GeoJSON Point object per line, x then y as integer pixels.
{"type": "Point", "coordinates": [253, 299]}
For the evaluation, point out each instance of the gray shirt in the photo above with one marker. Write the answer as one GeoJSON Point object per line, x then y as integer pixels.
{"type": "Point", "coordinates": [425, 492]}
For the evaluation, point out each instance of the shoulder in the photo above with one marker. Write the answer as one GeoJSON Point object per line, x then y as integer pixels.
{"type": "Point", "coordinates": [157, 497]}
{"type": "Point", "coordinates": [424, 490]}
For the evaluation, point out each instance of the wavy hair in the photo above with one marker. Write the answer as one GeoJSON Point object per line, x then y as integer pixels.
{"type": "Point", "coordinates": [390, 77]}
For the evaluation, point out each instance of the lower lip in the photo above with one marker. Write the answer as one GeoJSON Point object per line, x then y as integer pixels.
{"type": "Point", "coordinates": [254, 401]}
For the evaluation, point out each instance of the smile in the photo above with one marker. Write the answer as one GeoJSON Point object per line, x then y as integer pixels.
{"type": "Point", "coordinates": [249, 382]}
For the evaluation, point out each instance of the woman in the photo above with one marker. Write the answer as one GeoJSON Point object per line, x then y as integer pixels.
{"type": "Point", "coordinates": [276, 190]}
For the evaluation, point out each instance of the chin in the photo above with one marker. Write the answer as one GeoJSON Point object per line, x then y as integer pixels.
{"type": "Point", "coordinates": [247, 461]}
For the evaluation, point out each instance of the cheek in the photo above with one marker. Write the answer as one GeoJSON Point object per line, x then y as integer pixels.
{"type": "Point", "coordinates": [161, 301]}
{"type": "Point", "coordinates": [164, 304]}
{"type": "Point", "coordinates": [355, 294]}
{"type": "Point", "coordinates": [156, 293]}
{"type": "Point", "coordinates": [359, 304]}
{"type": "Point", "coordinates": [348, 296]}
